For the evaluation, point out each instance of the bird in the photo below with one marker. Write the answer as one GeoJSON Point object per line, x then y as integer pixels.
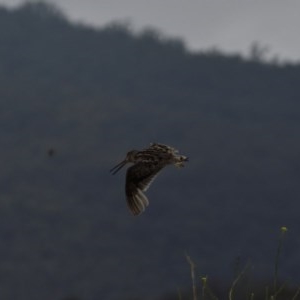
{"type": "Point", "coordinates": [147, 163]}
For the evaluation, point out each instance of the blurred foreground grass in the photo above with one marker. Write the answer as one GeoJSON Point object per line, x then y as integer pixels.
{"type": "Point", "coordinates": [241, 288]}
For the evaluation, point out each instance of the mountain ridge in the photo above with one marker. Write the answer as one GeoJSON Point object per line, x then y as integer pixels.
{"type": "Point", "coordinates": [94, 94]}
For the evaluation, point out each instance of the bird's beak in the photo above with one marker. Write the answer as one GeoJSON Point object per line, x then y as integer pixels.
{"type": "Point", "coordinates": [118, 167]}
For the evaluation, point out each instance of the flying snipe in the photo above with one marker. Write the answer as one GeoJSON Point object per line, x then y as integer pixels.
{"type": "Point", "coordinates": [147, 164]}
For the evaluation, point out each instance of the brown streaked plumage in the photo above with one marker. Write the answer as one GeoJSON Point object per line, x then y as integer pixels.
{"type": "Point", "coordinates": [147, 164]}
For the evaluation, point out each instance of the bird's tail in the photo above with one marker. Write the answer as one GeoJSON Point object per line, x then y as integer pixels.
{"type": "Point", "coordinates": [181, 159]}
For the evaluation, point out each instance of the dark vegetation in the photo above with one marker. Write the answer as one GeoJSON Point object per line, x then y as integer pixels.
{"type": "Point", "coordinates": [75, 99]}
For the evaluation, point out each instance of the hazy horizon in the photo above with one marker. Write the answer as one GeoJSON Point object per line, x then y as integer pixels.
{"type": "Point", "coordinates": [230, 26]}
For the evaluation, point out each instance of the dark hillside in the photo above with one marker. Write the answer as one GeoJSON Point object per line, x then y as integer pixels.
{"type": "Point", "coordinates": [75, 99]}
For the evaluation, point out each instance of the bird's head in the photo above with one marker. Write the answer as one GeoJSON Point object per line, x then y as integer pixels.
{"type": "Point", "coordinates": [130, 157]}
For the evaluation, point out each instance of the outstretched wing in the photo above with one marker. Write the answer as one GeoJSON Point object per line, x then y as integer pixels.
{"type": "Point", "coordinates": [138, 179]}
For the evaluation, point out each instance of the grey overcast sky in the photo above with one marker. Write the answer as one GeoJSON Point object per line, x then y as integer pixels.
{"type": "Point", "coordinates": [229, 25]}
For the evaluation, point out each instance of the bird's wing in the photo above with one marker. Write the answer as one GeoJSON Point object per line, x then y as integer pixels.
{"type": "Point", "coordinates": [138, 179]}
{"type": "Point", "coordinates": [157, 153]}
{"type": "Point", "coordinates": [161, 148]}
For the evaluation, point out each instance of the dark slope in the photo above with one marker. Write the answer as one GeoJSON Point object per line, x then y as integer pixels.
{"type": "Point", "coordinates": [92, 95]}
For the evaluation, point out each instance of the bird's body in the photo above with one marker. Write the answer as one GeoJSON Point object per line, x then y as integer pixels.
{"type": "Point", "coordinates": [147, 164]}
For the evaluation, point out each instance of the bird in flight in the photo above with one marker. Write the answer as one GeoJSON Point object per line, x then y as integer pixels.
{"type": "Point", "coordinates": [147, 163]}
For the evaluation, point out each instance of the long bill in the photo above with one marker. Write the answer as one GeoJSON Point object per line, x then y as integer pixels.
{"type": "Point", "coordinates": [118, 167]}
